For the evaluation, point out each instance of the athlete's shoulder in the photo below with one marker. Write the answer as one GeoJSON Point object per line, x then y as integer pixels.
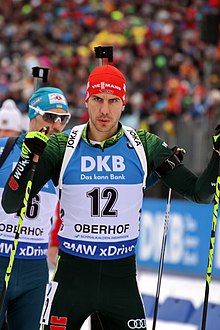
{"type": "Point", "coordinates": [147, 137]}
{"type": "Point", "coordinates": [61, 137]}
{"type": "Point", "coordinates": [56, 144]}
{"type": "Point", "coordinates": [156, 149]}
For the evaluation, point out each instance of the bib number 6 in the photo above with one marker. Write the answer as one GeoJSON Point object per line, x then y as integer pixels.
{"type": "Point", "coordinates": [32, 208]}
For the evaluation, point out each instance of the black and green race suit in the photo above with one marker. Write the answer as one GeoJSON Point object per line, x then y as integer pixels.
{"type": "Point", "coordinates": [82, 286]}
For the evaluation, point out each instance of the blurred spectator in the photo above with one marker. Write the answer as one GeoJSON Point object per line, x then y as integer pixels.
{"type": "Point", "coordinates": [10, 119]}
{"type": "Point", "coordinates": [165, 49]}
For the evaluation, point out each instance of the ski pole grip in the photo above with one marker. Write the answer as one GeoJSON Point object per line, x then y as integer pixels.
{"type": "Point", "coordinates": [43, 130]}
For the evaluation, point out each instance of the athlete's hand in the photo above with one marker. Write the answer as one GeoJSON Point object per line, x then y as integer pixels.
{"type": "Point", "coordinates": [216, 140]}
{"type": "Point", "coordinates": [34, 144]}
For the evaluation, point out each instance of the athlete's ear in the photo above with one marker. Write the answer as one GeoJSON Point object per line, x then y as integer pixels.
{"type": "Point", "coordinates": [123, 108]}
{"type": "Point", "coordinates": [86, 104]}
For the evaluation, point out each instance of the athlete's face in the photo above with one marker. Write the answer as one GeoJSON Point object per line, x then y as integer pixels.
{"type": "Point", "coordinates": [104, 113]}
{"type": "Point", "coordinates": [38, 122]}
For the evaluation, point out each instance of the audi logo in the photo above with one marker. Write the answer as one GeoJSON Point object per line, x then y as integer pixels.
{"type": "Point", "coordinates": [137, 324]}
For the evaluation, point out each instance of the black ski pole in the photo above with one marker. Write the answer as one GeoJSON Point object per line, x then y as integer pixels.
{"type": "Point", "coordinates": [162, 253]}
{"type": "Point", "coordinates": [179, 152]}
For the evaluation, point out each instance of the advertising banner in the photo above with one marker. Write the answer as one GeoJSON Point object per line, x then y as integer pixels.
{"type": "Point", "coordinates": [188, 238]}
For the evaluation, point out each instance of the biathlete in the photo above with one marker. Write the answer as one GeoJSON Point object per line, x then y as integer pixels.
{"type": "Point", "coordinates": [101, 169]}
{"type": "Point", "coordinates": [29, 277]}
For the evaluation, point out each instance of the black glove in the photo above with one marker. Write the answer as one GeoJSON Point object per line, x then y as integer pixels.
{"type": "Point", "coordinates": [171, 162]}
{"type": "Point", "coordinates": [34, 144]}
{"type": "Point", "coordinates": [216, 140]}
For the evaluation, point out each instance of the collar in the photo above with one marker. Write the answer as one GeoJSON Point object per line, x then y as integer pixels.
{"type": "Point", "coordinates": [106, 143]}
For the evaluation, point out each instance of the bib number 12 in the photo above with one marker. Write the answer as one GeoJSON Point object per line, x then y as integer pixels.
{"type": "Point", "coordinates": [96, 195]}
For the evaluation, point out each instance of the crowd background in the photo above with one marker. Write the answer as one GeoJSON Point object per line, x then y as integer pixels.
{"type": "Point", "coordinates": [169, 51]}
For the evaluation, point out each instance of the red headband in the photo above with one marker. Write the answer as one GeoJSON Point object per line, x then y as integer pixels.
{"type": "Point", "coordinates": [106, 79]}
